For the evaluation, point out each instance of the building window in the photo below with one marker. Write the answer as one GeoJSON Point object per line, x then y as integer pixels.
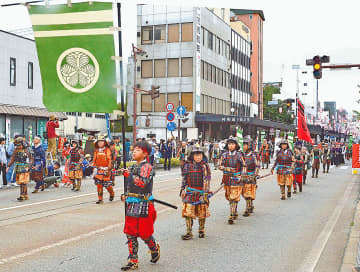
{"type": "Point", "coordinates": [173, 67]}
{"type": "Point", "coordinates": [186, 67]}
{"type": "Point", "coordinates": [159, 68]}
{"type": "Point", "coordinates": [79, 114]}
{"type": "Point", "coordinates": [99, 116]}
{"type": "Point", "coordinates": [203, 35]}
{"type": "Point", "coordinates": [173, 98]}
{"type": "Point", "coordinates": [146, 103]}
{"type": "Point", "coordinates": [147, 35]}
{"type": "Point", "coordinates": [187, 32]}
{"type": "Point", "coordinates": [202, 69]}
{"type": "Point", "coordinates": [173, 33]}
{"type": "Point", "coordinates": [206, 103]}
{"type": "Point", "coordinates": [213, 74]}
{"type": "Point", "coordinates": [219, 46]}
{"type": "Point", "coordinates": [146, 68]}
{"type": "Point", "coordinates": [159, 103]}
{"type": "Point", "coordinates": [30, 75]}
{"type": "Point", "coordinates": [210, 40]}
{"type": "Point", "coordinates": [89, 115]}
{"type": "Point", "coordinates": [160, 34]}
{"type": "Point", "coordinates": [208, 77]}
{"type": "Point", "coordinates": [12, 72]}
{"type": "Point", "coordinates": [187, 101]}
{"type": "Point", "coordinates": [223, 13]}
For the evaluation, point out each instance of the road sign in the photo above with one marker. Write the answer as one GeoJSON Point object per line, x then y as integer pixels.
{"type": "Point", "coordinates": [180, 117]}
{"type": "Point", "coordinates": [273, 102]}
{"type": "Point", "coordinates": [169, 107]}
{"type": "Point", "coordinates": [171, 126]}
{"type": "Point", "coordinates": [181, 110]}
{"type": "Point", "coordinates": [170, 116]}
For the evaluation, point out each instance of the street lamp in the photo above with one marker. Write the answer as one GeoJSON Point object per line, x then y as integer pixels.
{"type": "Point", "coordinates": [232, 110]}
{"type": "Point", "coordinates": [136, 51]}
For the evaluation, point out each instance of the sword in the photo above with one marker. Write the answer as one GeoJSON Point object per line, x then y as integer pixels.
{"type": "Point", "coordinates": [220, 188]}
{"type": "Point", "coordinates": [154, 199]}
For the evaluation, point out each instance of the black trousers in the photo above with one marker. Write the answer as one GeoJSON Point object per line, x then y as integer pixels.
{"type": "Point", "coordinates": [118, 162]}
{"type": "Point", "coordinates": [167, 163]}
{"type": "Point", "coordinates": [3, 171]}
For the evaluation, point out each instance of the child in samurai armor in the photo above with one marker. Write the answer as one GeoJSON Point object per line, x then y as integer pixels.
{"type": "Point", "coordinates": [299, 163]}
{"type": "Point", "coordinates": [140, 211]}
{"type": "Point", "coordinates": [306, 164]}
{"type": "Point", "coordinates": [348, 151]}
{"type": "Point", "coordinates": [265, 154]}
{"type": "Point", "coordinates": [21, 158]}
{"type": "Point", "coordinates": [194, 192]}
{"type": "Point", "coordinates": [75, 171]}
{"type": "Point", "coordinates": [38, 164]}
{"type": "Point", "coordinates": [103, 164]}
{"type": "Point", "coordinates": [284, 164]}
{"type": "Point", "coordinates": [249, 175]}
{"type": "Point", "coordinates": [231, 163]}
{"type": "Point", "coordinates": [316, 158]}
{"type": "Point", "coordinates": [326, 158]}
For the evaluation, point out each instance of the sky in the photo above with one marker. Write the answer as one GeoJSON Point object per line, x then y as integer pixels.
{"type": "Point", "coordinates": [293, 32]}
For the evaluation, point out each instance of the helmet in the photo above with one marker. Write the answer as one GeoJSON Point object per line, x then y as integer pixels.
{"type": "Point", "coordinates": [283, 141]}
{"type": "Point", "coordinates": [101, 138]}
{"type": "Point", "coordinates": [232, 139]}
{"type": "Point", "coordinates": [247, 140]}
{"type": "Point", "coordinates": [195, 150]}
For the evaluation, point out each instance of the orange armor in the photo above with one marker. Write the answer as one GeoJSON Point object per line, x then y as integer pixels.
{"type": "Point", "coordinates": [102, 158]}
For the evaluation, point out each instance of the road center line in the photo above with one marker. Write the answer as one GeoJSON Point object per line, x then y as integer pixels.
{"type": "Point", "coordinates": [313, 257]}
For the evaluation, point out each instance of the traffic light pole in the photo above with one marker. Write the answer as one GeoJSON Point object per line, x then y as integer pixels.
{"type": "Point", "coordinates": [317, 99]}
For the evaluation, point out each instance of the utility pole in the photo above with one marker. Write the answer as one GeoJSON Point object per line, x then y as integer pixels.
{"type": "Point", "coordinates": [179, 127]}
{"type": "Point", "coordinates": [136, 51]}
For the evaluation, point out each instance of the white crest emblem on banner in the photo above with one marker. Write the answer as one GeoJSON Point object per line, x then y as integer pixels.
{"type": "Point", "coordinates": [78, 70]}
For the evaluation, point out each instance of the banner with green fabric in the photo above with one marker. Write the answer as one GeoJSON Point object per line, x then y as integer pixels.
{"type": "Point", "coordinates": [350, 141]}
{"type": "Point", "coordinates": [290, 139]}
{"type": "Point", "coordinates": [239, 135]}
{"type": "Point", "coordinates": [75, 46]}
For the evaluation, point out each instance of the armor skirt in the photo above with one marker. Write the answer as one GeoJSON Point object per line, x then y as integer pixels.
{"type": "Point", "coordinates": [249, 191]}
{"type": "Point", "coordinates": [200, 211]}
{"type": "Point", "coordinates": [23, 178]}
{"type": "Point", "coordinates": [142, 227]}
{"type": "Point", "coordinates": [285, 179]}
{"type": "Point", "coordinates": [316, 164]}
{"type": "Point", "coordinates": [75, 174]}
{"type": "Point", "coordinates": [105, 183]}
{"type": "Point", "coordinates": [233, 193]}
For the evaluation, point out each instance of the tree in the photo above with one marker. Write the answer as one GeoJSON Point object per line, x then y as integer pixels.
{"type": "Point", "coordinates": [271, 112]}
{"type": "Point", "coordinates": [115, 125]}
{"type": "Point", "coordinates": [356, 115]}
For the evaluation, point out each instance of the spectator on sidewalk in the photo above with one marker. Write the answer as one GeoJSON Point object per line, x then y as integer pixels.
{"type": "Point", "coordinates": [10, 176]}
{"type": "Point", "coordinates": [3, 162]}
{"type": "Point", "coordinates": [167, 151]}
{"type": "Point", "coordinates": [51, 135]}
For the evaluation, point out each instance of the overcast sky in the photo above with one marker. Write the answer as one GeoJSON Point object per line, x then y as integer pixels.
{"type": "Point", "coordinates": [293, 31]}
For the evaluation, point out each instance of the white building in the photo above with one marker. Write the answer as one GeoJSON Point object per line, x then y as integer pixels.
{"type": "Point", "coordinates": [188, 56]}
{"type": "Point", "coordinates": [21, 107]}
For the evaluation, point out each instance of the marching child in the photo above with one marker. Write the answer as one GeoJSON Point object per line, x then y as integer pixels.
{"type": "Point", "coordinates": [38, 164]}
{"type": "Point", "coordinates": [140, 211]}
{"type": "Point", "coordinates": [298, 170]}
{"type": "Point", "coordinates": [194, 192]}
{"type": "Point", "coordinates": [21, 158]}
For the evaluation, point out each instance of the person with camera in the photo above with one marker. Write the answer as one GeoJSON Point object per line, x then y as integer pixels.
{"type": "Point", "coordinates": [51, 125]}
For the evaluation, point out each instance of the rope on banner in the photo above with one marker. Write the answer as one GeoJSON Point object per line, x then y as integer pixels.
{"type": "Point", "coordinates": [69, 4]}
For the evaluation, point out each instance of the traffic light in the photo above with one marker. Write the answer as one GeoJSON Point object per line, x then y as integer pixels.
{"type": "Point", "coordinates": [317, 67]}
{"type": "Point", "coordinates": [155, 91]}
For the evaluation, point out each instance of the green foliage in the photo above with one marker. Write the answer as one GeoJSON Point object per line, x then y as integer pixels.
{"type": "Point", "coordinates": [356, 114]}
{"type": "Point", "coordinates": [115, 126]}
{"type": "Point", "coordinates": [174, 161]}
{"type": "Point", "coordinates": [271, 112]}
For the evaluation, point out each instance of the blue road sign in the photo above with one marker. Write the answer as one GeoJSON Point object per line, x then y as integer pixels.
{"type": "Point", "coordinates": [181, 110]}
{"type": "Point", "coordinates": [171, 126]}
{"type": "Point", "coordinates": [170, 116]}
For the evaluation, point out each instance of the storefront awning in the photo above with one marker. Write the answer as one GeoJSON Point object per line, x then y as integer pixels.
{"type": "Point", "coordinates": [29, 111]}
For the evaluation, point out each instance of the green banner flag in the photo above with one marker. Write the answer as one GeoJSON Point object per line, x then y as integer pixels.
{"type": "Point", "coordinates": [263, 133]}
{"type": "Point", "coordinates": [239, 135]}
{"type": "Point", "coordinates": [350, 141]}
{"type": "Point", "coordinates": [75, 45]}
{"type": "Point", "coordinates": [291, 140]}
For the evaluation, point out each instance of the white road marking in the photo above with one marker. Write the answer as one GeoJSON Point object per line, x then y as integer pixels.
{"type": "Point", "coordinates": [332, 166]}
{"type": "Point", "coordinates": [344, 167]}
{"type": "Point", "coordinates": [313, 257]}
{"type": "Point", "coordinates": [66, 241]}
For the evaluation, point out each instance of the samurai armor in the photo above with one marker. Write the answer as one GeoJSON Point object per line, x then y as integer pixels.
{"type": "Point", "coordinates": [200, 211]}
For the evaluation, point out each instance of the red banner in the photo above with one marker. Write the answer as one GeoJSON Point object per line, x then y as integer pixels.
{"type": "Point", "coordinates": [355, 156]}
{"type": "Point", "coordinates": [302, 131]}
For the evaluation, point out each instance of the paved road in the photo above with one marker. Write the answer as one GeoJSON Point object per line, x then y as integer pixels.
{"type": "Point", "coordinates": [306, 233]}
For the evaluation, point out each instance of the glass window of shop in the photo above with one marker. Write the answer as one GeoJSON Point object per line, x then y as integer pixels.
{"type": "Point", "coordinates": [41, 127]}
{"type": "Point", "coordinates": [30, 128]}
{"type": "Point", "coordinates": [2, 126]}
{"type": "Point", "coordinates": [16, 126]}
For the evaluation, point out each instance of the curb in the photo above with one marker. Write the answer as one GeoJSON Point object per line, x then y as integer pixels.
{"type": "Point", "coordinates": [351, 259]}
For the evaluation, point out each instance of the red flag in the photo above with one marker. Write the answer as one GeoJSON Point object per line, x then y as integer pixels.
{"type": "Point", "coordinates": [302, 131]}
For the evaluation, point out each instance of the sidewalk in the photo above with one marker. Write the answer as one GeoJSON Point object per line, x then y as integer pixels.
{"type": "Point", "coordinates": [351, 260]}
